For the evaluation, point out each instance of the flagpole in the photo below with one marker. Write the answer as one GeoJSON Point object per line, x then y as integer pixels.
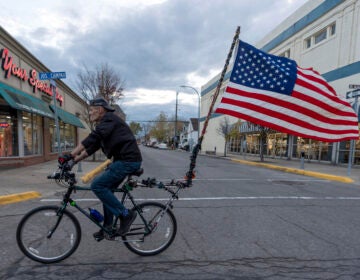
{"type": "Point", "coordinates": [190, 173]}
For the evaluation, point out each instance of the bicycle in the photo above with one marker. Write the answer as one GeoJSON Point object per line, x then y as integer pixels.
{"type": "Point", "coordinates": [50, 234]}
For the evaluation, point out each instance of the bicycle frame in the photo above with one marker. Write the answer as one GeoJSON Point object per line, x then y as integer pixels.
{"type": "Point", "coordinates": [125, 189]}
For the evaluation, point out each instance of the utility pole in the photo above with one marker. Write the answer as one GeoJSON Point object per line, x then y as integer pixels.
{"type": "Point", "coordinates": [175, 129]}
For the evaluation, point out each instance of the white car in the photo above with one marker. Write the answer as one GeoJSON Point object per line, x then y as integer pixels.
{"type": "Point", "coordinates": [161, 146]}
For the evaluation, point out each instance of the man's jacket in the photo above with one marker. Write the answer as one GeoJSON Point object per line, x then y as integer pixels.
{"type": "Point", "coordinates": [115, 138]}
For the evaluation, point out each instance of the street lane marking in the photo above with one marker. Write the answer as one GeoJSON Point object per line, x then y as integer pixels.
{"type": "Point", "coordinates": [228, 198]}
{"type": "Point", "coordinates": [18, 197]}
{"type": "Point", "coordinates": [297, 180]}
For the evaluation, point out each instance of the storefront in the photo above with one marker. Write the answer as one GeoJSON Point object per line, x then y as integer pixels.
{"type": "Point", "coordinates": [27, 111]}
{"type": "Point", "coordinates": [282, 145]}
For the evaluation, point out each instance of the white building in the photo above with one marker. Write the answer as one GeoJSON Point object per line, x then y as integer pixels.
{"type": "Point", "coordinates": [323, 34]}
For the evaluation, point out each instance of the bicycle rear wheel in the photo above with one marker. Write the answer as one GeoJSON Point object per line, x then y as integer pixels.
{"type": "Point", "coordinates": [45, 236]}
{"type": "Point", "coordinates": [161, 236]}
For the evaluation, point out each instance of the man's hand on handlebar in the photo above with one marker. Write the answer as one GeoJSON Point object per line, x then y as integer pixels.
{"type": "Point", "coordinates": [71, 164]}
{"type": "Point", "coordinates": [66, 161]}
{"type": "Point", "coordinates": [65, 158]}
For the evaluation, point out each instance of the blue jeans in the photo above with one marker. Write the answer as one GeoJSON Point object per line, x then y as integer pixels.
{"type": "Point", "coordinates": [104, 185]}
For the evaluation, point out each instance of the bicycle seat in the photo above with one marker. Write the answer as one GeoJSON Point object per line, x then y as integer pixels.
{"type": "Point", "coordinates": [138, 172]}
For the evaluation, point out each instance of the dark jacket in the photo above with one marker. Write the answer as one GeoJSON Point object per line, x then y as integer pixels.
{"type": "Point", "coordinates": [114, 136]}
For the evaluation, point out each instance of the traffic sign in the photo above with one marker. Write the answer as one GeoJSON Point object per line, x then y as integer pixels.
{"type": "Point", "coordinates": [353, 94]}
{"type": "Point", "coordinates": [52, 75]}
{"type": "Point", "coordinates": [353, 86]}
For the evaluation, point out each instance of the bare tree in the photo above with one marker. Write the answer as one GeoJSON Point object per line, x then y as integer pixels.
{"type": "Point", "coordinates": [103, 81]}
{"type": "Point", "coordinates": [225, 130]}
{"type": "Point", "coordinates": [263, 134]}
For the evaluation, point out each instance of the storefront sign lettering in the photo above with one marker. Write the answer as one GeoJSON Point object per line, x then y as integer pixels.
{"type": "Point", "coordinates": [11, 69]}
{"type": "Point", "coordinates": [4, 124]}
{"type": "Point", "coordinates": [44, 87]}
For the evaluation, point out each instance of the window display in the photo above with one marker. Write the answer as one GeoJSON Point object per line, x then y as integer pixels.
{"type": "Point", "coordinates": [8, 133]}
{"type": "Point", "coordinates": [32, 133]}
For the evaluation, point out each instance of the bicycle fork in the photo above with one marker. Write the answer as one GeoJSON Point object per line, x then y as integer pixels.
{"type": "Point", "coordinates": [59, 215]}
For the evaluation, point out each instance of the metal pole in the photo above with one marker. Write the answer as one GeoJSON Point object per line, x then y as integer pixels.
{"type": "Point", "coordinates": [352, 142]}
{"type": "Point", "coordinates": [199, 98]}
{"type": "Point", "coordinates": [175, 129]}
{"type": "Point", "coordinates": [52, 82]}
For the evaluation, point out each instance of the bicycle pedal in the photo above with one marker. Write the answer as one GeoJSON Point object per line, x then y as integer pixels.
{"type": "Point", "coordinates": [98, 239]}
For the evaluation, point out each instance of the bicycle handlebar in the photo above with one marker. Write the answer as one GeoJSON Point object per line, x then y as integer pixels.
{"type": "Point", "coordinates": [64, 174]}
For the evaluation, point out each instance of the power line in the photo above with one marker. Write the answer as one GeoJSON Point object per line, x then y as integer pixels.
{"type": "Point", "coordinates": [154, 121]}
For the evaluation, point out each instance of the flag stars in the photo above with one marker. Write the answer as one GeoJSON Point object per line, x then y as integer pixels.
{"type": "Point", "coordinates": [259, 70]}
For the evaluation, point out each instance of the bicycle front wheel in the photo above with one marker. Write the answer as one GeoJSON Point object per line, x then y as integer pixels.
{"type": "Point", "coordinates": [48, 235]}
{"type": "Point", "coordinates": [163, 230]}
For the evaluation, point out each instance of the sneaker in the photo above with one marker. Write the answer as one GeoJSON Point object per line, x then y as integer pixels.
{"type": "Point", "coordinates": [126, 223]}
{"type": "Point", "coordinates": [99, 235]}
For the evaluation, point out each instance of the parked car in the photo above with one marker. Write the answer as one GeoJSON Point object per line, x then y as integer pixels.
{"type": "Point", "coordinates": [161, 146]}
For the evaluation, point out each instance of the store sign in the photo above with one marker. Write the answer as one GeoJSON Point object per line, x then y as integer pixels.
{"type": "Point", "coordinates": [353, 86]}
{"type": "Point", "coordinates": [4, 124]}
{"type": "Point", "coordinates": [11, 69]}
{"type": "Point", "coordinates": [353, 94]}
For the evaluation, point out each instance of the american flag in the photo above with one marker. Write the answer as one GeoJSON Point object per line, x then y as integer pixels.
{"type": "Point", "coordinates": [274, 92]}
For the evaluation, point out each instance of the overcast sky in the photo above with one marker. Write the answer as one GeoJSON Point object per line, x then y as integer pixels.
{"type": "Point", "coordinates": [154, 45]}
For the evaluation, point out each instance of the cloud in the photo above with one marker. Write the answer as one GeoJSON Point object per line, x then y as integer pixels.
{"type": "Point", "coordinates": [154, 45]}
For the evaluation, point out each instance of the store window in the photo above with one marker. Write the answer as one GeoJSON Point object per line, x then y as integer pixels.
{"type": "Point", "coordinates": [321, 36]}
{"type": "Point", "coordinates": [8, 133]}
{"type": "Point", "coordinates": [277, 145]}
{"type": "Point", "coordinates": [285, 54]}
{"type": "Point", "coordinates": [313, 149]}
{"type": "Point", "coordinates": [32, 133]}
{"type": "Point", "coordinates": [332, 29]}
{"type": "Point", "coordinates": [67, 136]}
{"type": "Point", "coordinates": [307, 43]}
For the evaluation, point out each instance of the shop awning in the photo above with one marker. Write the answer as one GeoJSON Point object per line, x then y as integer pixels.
{"type": "Point", "coordinates": [67, 117]}
{"type": "Point", "coordinates": [24, 102]}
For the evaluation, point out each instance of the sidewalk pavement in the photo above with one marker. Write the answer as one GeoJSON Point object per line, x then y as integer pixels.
{"type": "Point", "coordinates": [322, 170]}
{"type": "Point", "coordinates": [30, 182]}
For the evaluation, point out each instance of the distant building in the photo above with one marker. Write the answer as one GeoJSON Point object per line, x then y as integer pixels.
{"type": "Point", "coordinates": [323, 34]}
{"type": "Point", "coordinates": [193, 132]}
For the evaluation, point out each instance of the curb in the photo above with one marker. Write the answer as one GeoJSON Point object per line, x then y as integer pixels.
{"type": "Point", "coordinates": [13, 198]}
{"type": "Point", "coordinates": [298, 171]}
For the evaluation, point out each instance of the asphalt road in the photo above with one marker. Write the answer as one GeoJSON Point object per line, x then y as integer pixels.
{"type": "Point", "coordinates": [236, 222]}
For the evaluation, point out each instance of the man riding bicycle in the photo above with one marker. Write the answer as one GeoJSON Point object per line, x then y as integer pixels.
{"type": "Point", "coordinates": [117, 141]}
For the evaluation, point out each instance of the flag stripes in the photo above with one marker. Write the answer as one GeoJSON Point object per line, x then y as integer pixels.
{"type": "Point", "coordinates": [274, 92]}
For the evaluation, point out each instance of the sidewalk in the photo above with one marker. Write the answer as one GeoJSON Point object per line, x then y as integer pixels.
{"type": "Point", "coordinates": [18, 184]}
{"type": "Point", "coordinates": [315, 169]}
{"type": "Point", "coordinates": [30, 182]}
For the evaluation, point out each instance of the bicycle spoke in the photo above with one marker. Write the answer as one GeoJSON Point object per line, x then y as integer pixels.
{"type": "Point", "coordinates": [160, 237]}
{"type": "Point", "coordinates": [44, 238]}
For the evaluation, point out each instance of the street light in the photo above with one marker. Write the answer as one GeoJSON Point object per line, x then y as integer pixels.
{"type": "Point", "coordinates": [199, 96]}
{"type": "Point", "coordinates": [175, 128]}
